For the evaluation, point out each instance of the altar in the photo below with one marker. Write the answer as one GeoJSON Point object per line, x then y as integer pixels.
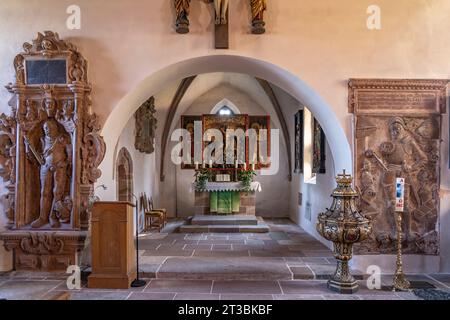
{"type": "Point", "coordinates": [226, 198]}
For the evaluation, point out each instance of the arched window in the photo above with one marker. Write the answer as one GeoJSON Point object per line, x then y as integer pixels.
{"type": "Point", "coordinates": [226, 106]}
{"type": "Point", "coordinates": [124, 176]}
{"type": "Point", "coordinates": [225, 111]}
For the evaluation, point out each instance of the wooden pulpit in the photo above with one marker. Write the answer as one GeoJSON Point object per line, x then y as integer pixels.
{"type": "Point", "coordinates": [112, 245]}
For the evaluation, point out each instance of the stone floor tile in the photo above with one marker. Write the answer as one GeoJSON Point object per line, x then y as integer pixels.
{"type": "Point", "coordinates": [305, 287]}
{"type": "Point", "coordinates": [341, 297]}
{"type": "Point", "coordinates": [253, 242]}
{"type": "Point", "coordinates": [246, 297]}
{"type": "Point", "coordinates": [298, 297]}
{"type": "Point", "coordinates": [246, 287]}
{"type": "Point", "coordinates": [221, 253]}
{"type": "Point", "coordinates": [148, 259]}
{"type": "Point", "coordinates": [170, 247]}
{"type": "Point", "coordinates": [151, 296]}
{"type": "Point", "coordinates": [302, 273]}
{"type": "Point", "coordinates": [148, 270]}
{"type": "Point", "coordinates": [322, 271]}
{"type": "Point", "coordinates": [198, 247]}
{"type": "Point", "coordinates": [273, 253]}
{"type": "Point", "coordinates": [99, 295]}
{"type": "Point", "coordinates": [185, 241]}
{"type": "Point", "coordinates": [26, 289]}
{"type": "Point", "coordinates": [443, 278]}
{"type": "Point", "coordinates": [316, 260]}
{"type": "Point", "coordinates": [197, 296]}
{"type": "Point", "coordinates": [186, 286]}
{"type": "Point", "coordinates": [317, 253]}
{"type": "Point", "coordinates": [388, 279]}
{"type": "Point", "coordinates": [225, 268]}
{"type": "Point", "coordinates": [169, 252]}
{"type": "Point", "coordinates": [380, 297]}
{"type": "Point", "coordinates": [288, 242]}
{"type": "Point", "coordinates": [223, 242]}
{"type": "Point", "coordinates": [221, 247]}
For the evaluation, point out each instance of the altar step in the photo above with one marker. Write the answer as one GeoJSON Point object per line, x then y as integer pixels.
{"type": "Point", "coordinates": [224, 224]}
{"type": "Point", "coordinates": [224, 220]}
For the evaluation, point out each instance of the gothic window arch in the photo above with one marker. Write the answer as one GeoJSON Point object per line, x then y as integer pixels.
{"type": "Point", "coordinates": [124, 176]}
{"type": "Point", "coordinates": [225, 104]}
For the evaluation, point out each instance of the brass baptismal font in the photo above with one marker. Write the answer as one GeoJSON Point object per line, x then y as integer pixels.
{"type": "Point", "coordinates": [344, 225]}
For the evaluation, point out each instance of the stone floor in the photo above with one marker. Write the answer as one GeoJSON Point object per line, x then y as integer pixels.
{"type": "Point", "coordinates": [285, 263]}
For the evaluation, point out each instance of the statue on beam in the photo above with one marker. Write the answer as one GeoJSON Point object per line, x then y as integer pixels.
{"type": "Point", "coordinates": [182, 9]}
{"type": "Point", "coordinates": [258, 7]}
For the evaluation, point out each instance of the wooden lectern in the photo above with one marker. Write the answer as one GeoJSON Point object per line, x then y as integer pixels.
{"type": "Point", "coordinates": [112, 245]}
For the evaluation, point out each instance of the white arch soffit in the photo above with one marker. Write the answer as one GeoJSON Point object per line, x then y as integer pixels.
{"type": "Point", "coordinates": [223, 103]}
{"type": "Point", "coordinates": [119, 116]}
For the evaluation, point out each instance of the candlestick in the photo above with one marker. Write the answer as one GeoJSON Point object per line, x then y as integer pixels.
{"type": "Point", "coordinates": [196, 165]}
{"type": "Point", "coordinates": [236, 164]}
{"type": "Point", "coordinates": [210, 163]}
{"type": "Point", "coordinates": [204, 165]}
{"type": "Point", "coordinates": [245, 166]}
{"type": "Point", "coordinates": [253, 166]}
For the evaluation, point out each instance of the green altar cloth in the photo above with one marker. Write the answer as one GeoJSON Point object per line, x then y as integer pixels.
{"type": "Point", "coordinates": [224, 202]}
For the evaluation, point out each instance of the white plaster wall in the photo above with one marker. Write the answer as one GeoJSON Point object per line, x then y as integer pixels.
{"type": "Point", "coordinates": [143, 164]}
{"type": "Point", "coordinates": [315, 197]}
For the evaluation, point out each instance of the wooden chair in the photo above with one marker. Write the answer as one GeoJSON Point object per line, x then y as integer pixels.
{"type": "Point", "coordinates": [164, 211]}
{"type": "Point", "coordinates": [152, 219]}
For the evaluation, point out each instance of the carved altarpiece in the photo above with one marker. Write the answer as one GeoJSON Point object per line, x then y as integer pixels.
{"type": "Point", "coordinates": [398, 134]}
{"type": "Point", "coordinates": [49, 153]}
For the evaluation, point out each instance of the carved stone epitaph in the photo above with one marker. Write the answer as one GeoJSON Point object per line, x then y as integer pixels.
{"type": "Point", "coordinates": [50, 149]}
{"type": "Point", "coordinates": [145, 127]}
{"type": "Point", "coordinates": [397, 134]}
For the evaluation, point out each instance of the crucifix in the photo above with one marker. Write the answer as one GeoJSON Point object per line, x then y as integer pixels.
{"type": "Point", "coordinates": [221, 23]}
{"type": "Point", "coordinates": [221, 18]}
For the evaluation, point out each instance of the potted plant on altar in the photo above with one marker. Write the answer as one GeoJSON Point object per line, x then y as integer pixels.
{"type": "Point", "coordinates": [201, 178]}
{"type": "Point", "coordinates": [246, 178]}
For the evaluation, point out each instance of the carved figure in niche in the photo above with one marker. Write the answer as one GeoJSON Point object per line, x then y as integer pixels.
{"type": "Point", "coordinates": [182, 9]}
{"type": "Point", "coordinates": [428, 193]}
{"type": "Point", "coordinates": [401, 157]}
{"type": "Point", "coordinates": [7, 148]}
{"type": "Point", "coordinates": [368, 192]}
{"type": "Point", "coordinates": [53, 156]}
{"type": "Point", "coordinates": [258, 7]}
{"type": "Point", "coordinates": [65, 116]}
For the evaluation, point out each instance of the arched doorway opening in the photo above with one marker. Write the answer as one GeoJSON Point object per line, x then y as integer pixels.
{"type": "Point", "coordinates": [324, 113]}
{"type": "Point", "coordinates": [124, 175]}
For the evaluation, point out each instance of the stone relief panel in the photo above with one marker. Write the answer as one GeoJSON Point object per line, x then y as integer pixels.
{"type": "Point", "coordinates": [392, 143]}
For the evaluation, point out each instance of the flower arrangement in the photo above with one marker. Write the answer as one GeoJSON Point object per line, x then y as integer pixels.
{"type": "Point", "coordinates": [201, 178]}
{"type": "Point", "coordinates": [246, 178]}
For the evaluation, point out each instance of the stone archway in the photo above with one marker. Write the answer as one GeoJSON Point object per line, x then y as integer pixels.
{"type": "Point", "coordinates": [324, 113]}
{"type": "Point", "coordinates": [124, 176]}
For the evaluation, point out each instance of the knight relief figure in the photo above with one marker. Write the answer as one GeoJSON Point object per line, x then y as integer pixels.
{"type": "Point", "coordinates": [52, 155]}
{"type": "Point", "coordinates": [401, 156]}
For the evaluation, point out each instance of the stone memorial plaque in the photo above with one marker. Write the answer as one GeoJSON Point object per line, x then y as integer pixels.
{"type": "Point", "coordinates": [46, 71]}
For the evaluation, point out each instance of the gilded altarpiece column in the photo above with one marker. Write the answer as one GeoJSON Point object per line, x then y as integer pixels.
{"type": "Point", "coordinates": [50, 149]}
{"type": "Point", "coordinates": [397, 133]}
